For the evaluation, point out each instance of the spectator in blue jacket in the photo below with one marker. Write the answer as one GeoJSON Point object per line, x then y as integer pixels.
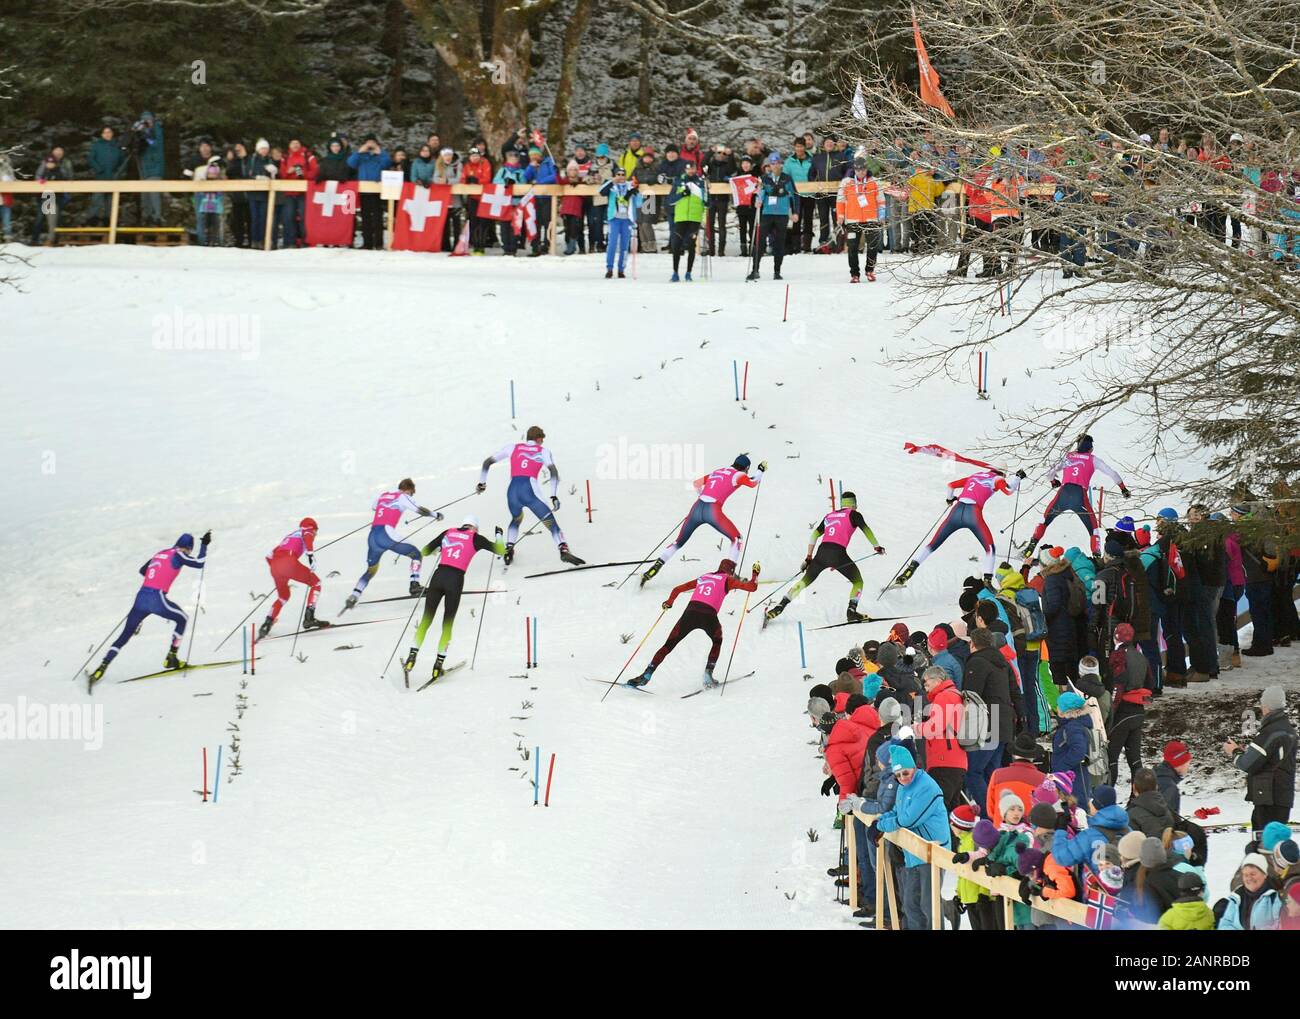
{"type": "Point", "coordinates": [797, 166]}
{"type": "Point", "coordinates": [774, 199]}
{"type": "Point", "coordinates": [368, 162]}
{"type": "Point", "coordinates": [541, 170]}
{"type": "Point", "coordinates": [942, 657]}
{"type": "Point", "coordinates": [510, 172]}
{"type": "Point", "coordinates": [106, 159]}
{"type": "Point", "coordinates": [147, 134]}
{"type": "Point", "coordinates": [1070, 742]}
{"type": "Point", "coordinates": [918, 807]}
{"type": "Point", "coordinates": [1107, 824]}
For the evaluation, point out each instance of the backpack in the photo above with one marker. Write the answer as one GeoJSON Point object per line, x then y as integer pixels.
{"type": "Point", "coordinates": [1028, 601]}
{"type": "Point", "coordinates": [973, 731]}
{"type": "Point", "coordinates": [1098, 760]}
{"type": "Point", "coordinates": [1019, 618]}
{"type": "Point", "coordinates": [1078, 600]}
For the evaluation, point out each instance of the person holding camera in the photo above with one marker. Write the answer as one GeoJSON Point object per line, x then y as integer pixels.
{"type": "Point", "coordinates": [147, 146]}
{"type": "Point", "coordinates": [775, 199]}
{"type": "Point", "coordinates": [369, 161]}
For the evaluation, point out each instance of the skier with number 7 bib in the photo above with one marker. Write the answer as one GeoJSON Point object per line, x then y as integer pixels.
{"type": "Point", "coordinates": [835, 531]}
{"type": "Point", "coordinates": [527, 459]}
{"type": "Point", "coordinates": [701, 613]}
{"type": "Point", "coordinates": [715, 489]}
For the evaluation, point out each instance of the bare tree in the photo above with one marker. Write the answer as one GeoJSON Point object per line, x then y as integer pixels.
{"type": "Point", "coordinates": [1059, 115]}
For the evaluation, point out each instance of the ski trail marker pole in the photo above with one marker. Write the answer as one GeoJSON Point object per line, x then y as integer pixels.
{"type": "Point", "coordinates": [614, 683]}
{"type": "Point", "coordinates": [735, 378]}
{"type": "Point", "coordinates": [803, 660]}
{"type": "Point", "coordinates": [744, 385]}
{"type": "Point", "coordinates": [205, 774]}
{"type": "Point", "coordinates": [786, 313]}
{"type": "Point", "coordinates": [830, 485]}
{"type": "Point", "coordinates": [588, 500]}
{"type": "Point", "coordinates": [216, 781]}
{"type": "Point", "coordinates": [512, 399]}
{"type": "Point", "coordinates": [550, 774]}
{"type": "Point", "coordinates": [534, 642]}
{"type": "Point", "coordinates": [244, 635]}
{"type": "Point", "coordinates": [528, 644]}
{"type": "Point", "coordinates": [252, 649]}
{"type": "Point", "coordinates": [483, 610]}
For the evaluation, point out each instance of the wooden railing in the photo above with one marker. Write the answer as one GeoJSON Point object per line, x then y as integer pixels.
{"type": "Point", "coordinates": [939, 859]}
{"type": "Point", "coordinates": [271, 188]}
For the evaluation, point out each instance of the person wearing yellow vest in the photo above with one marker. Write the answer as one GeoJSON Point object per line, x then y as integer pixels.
{"type": "Point", "coordinates": [857, 209]}
{"type": "Point", "coordinates": [923, 192]}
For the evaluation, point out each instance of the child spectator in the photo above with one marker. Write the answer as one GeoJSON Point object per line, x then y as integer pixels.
{"type": "Point", "coordinates": [1188, 911]}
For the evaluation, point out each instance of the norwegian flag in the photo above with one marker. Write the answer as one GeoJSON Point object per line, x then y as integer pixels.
{"type": "Point", "coordinates": [526, 218]}
{"type": "Point", "coordinates": [743, 187]}
{"type": "Point", "coordinates": [331, 213]}
{"type": "Point", "coordinates": [537, 138]}
{"type": "Point", "coordinates": [421, 217]}
{"type": "Point", "coordinates": [934, 449]}
{"type": "Point", "coordinates": [494, 203]}
{"type": "Point", "coordinates": [1101, 907]}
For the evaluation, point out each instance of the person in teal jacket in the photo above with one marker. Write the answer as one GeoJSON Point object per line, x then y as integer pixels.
{"type": "Point", "coordinates": [918, 807]}
{"type": "Point", "coordinates": [1254, 905]}
{"type": "Point", "coordinates": [147, 135]}
{"type": "Point", "coordinates": [106, 159]}
{"type": "Point", "coordinates": [1084, 568]}
{"type": "Point", "coordinates": [687, 201]}
{"type": "Point", "coordinates": [510, 172]}
{"type": "Point", "coordinates": [797, 166]}
{"type": "Point", "coordinates": [774, 200]}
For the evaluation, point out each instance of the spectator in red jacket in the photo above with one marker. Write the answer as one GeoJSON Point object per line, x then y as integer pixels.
{"type": "Point", "coordinates": [691, 152]}
{"type": "Point", "coordinates": [945, 760]}
{"type": "Point", "coordinates": [848, 744]}
{"type": "Point", "coordinates": [477, 169]}
{"type": "Point", "coordinates": [297, 163]}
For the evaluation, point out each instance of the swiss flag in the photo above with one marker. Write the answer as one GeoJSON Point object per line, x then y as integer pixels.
{"type": "Point", "coordinates": [331, 213]}
{"type": "Point", "coordinates": [743, 188]}
{"type": "Point", "coordinates": [421, 217]}
{"type": "Point", "coordinates": [526, 218]}
{"type": "Point", "coordinates": [494, 203]}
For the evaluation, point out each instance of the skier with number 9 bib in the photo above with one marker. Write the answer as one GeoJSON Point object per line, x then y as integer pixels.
{"type": "Point", "coordinates": [835, 531]}
{"type": "Point", "coordinates": [701, 613]}
{"type": "Point", "coordinates": [527, 459]}
{"type": "Point", "coordinates": [715, 489]}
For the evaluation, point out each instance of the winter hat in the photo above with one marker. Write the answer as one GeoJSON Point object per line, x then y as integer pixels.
{"type": "Point", "coordinates": [900, 758]}
{"type": "Point", "coordinates": [1287, 854]}
{"type": "Point", "coordinates": [959, 629]}
{"type": "Point", "coordinates": [775, 157]}
{"type": "Point", "coordinates": [1089, 666]}
{"type": "Point", "coordinates": [871, 685]}
{"type": "Point", "coordinates": [855, 701]}
{"type": "Point", "coordinates": [823, 691]}
{"type": "Point", "coordinates": [1124, 633]}
{"type": "Point", "coordinates": [1046, 792]}
{"type": "Point", "coordinates": [186, 540]}
{"type": "Point", "coordinates": [963, 817]}
{"type": "Point", "coordinates": [262, 145]}
{"type": "Point", "coordinates": [1051, 556]}
{"type": "Point", "coordinates": [1143, 535]}
{"type": "Point", "coordinates": [1125, 523]}
{"type": "Point", "coordinates": [899, 633]}
{"type": "Point", "coordinates": [1042, 816]}
{"type": "Point", "coordinates": [1029, 861]}
{"type": "Point", "coordinates": [967, 601]}
{"type": "Point", "coordinates": [938, 640]}
{"type": "Point", "coordinates": [1168, 513]}
{"type": "Point", "coordinates": [1111, 878]}
{"type": "Point", "coordinates": [1007, 799]}
{"type": "Point", "coordinates": [1241, 509]}
{"type": "Point", "coordinates": [1152, 853]}
{"type": "Point", "coordinates": [1176, 753]}
{"type": "Point", "coordinates": [1273, 698]}
{"type": "Point", "coordinates": [1063, 780]}
{"type": "Point", "coordinates": [889, 711]}
{"type": "Point", "coordinates": [1069, 701]}
{"type": "Point", "coordinates": [532, 150]}
{"type": "Point", "coordinates": [887, 655]}
{"type": "Point", "coordinates": [1190, 883]}
{"type": "Point", "coordinates": [827, 722]}
{"type": "Point", "coordinates": [1104, 796]}
{"type": "Point", "coordinates": [1024, 747]}
{"type": "Point", "coordinates": [855, 656]}
{"type": "Point", "coordinates": [818, 706]}
{"type": "Point", "coordinates": [1257, 861]}
{"type": "Point", "coordinates": [918, 640]}
{"type": "Point", "coordinates": [1273, 833]}
{"type": "Point", "coordinates": [602, 149]}
{"type": "Point", "coordinates": [985, 834]}
{"type": "Point", "coordinates": [1130, 848]}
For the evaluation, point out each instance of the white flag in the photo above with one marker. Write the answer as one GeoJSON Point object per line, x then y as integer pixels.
{"type": "Point", "coordinates": [859, 106]}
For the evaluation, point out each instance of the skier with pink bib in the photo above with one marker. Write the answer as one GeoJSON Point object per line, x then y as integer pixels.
{"type": "Point", "coordinates": [527, 459]}
{"type": "Point", "coordinates": [715, 489]}
{"type": "Point", "coordinates": [1073, 495]}
{"type": "Point", "coordinates": [285, 563]}
{"type": "Point", "coordinates": [389, 508]}
{"type": "Point", "coordinates": [710, 590]}
{"type": "Point", "coordinates": [159, 573]}
{"type": "Point", "coordinates": [456, 548]}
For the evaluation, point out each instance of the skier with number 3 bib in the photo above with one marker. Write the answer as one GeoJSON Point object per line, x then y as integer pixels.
{"type": "Point", "coordinates": [527, 459]}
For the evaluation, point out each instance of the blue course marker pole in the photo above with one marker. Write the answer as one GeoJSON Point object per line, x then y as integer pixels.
{"type": "Point", "coordinates": [512, 399]}
{"type": "Point", "coordinates": [534, 642]}
{"type": "Point", "coordinates": [537, 773]}
{"type": "Point", "coordinates": [735, 377]}
{"type": "Point", "coordinates": [216, 784]}
{"type": "Point", "coordinates": [803, 660]}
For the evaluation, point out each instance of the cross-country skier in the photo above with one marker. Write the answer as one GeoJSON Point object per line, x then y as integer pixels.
{"type": "Point", "coordinates": [967, 514]}
{"type": "Point", "coordinates": [714, 490]}
{"type": "Point", "coordinates": [389, 508]}
{"type": "Point", "coordinates": [836, 530]}
{"type": "Point", "coordinates": [1073, 495]}
{"type": "Point", "coordinates": [701, 614]}
{"type": "Point", "coordinates": [527, 459]}
{"type": "Point", "coordinates": [456, 547]}
{"type": "Point", "coordinates": [159, 574]}
{"type": "Point", "coordinates": [285, 563]}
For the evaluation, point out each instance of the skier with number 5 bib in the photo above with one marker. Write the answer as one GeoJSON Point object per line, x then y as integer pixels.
{"type": "Point", "coordinates": [715, 489]}
{"type": "Point", "coordinates": [835, 531]}
{"type": "Point", "coordinates": [527, 459]}
{"type": "Point", "coordinates": [389, 508]}
{"type": "Point", "coordinates": [701, 614]}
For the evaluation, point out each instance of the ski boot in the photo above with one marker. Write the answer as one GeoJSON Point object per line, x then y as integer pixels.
{"type": "Point", "coordinates": [351, 603]}
{"type": "Point", "coordinates": [98, 674]}
{"type": "Point", "coordinates": [414, 589]}
{"type": "Point", "coordinates": [609, 274]}
{"type": "Point", "coordinates": [622, 275]}
{"type": "Point", "coordinates": [855, 278]}
{"type": "Point", "coordinates": [777, 609]}
{"type": "Point", "coordinates": [641, 680]}
{"type": "Point", "coordinates": [709, 681]}
{"type": "Point", "coordinates": [688, 278]}
{"type": "Point", "coordinates": [852, 615]}
{"type": "Point", "coordinates": [674, 278]}
{"type": "Point", "coordinates": [650, 574]}
{"type": "Point", "coordinates": [752, 276]}
{"type": "Point", "coordinates": [265, 628]}
{"type": "Point", "coordinates": [173, 662]}
{"type": "Point", "coordinates": [310, 622]}
{"type": "Point", "coordinates": [906, 575]}
{"type": "Point", "coordinates": [409, 664]}
{"type": "Point", "coordinates": [568, 557]}
{"type": "Point", "coordinates": [509, 557]}
{"type": "Point", "coordinates": [439, 667]}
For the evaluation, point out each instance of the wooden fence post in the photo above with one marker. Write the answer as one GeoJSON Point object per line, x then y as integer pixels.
{"type": "Point", "coordinates": [269, 232]}
{"type": "Point", "coordinates": [936, 895]}
{"type": "Point", "coordinates": [114, 206]}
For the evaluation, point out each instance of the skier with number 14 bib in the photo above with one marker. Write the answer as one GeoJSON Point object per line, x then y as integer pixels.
{"type": "Point", "coordinates": [527, 459]}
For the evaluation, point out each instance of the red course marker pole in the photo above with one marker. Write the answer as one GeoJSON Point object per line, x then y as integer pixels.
{"type": "Point", "coordinates": [785, 314]}
{"type": "Point", "coordinates": [549, 772]}
{"type": "Point", "coordinates": [588, 501]}
{"type": "Point", "coordinates": [831, 485]}
{"type": "Point", "coordinates": [744, 385]}
{"type": "Point", "coordinates": [528, 644]}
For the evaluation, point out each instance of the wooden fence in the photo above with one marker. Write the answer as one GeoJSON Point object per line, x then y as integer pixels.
{"type": "Point", "coordinates": [939, 859]}
{"type": "Point", "coordinates": [116, 188]}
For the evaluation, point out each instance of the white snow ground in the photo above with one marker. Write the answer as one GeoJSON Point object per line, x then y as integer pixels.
{"type": "Point", "coordinates": [363, 804]}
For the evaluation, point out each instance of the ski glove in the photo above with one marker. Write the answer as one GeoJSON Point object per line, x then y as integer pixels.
{"type": "Point", "coordinates": [873, 833]}
{"type": "Point", "coordinates": [311, 562]}
{"type": "Point", "coordinates": [850, 804]}
{"type": "Point", "coordinates": [762, 465]}
{"type": "Point", "coordinates": [961, 857]}
{"type": "Point", "coordinates": [666, 605]}
{"type": "Point", "coordinates": [980, 861]}
{"type": "Point", "coordinates": [950, 500]}
{"type": "Point", "coordinates": [880, 550]}
{"type": "Point", "coordinates": [807, 561]}
{"type": "Point", "coordinates": [1123, 491]}
{"type": "Point", "coordinates": [1021, 475]}
{"type": "Point", "coordinates": [206, 539]}
{"type": "Point", "coordinates": [1026, 890]}
{"type": "Point", "coordinates": [828, 785]}
{"type": "Point", "coordinates": [498, 532]}
{"type": "Point", "coordinates": [1056, 483]}
{"type": "Point", "coordinates": [555, 503]}
{"type": "Point", "coordinates": [755, 570]}
{"type": "Point", "coordinates": [480, 488]}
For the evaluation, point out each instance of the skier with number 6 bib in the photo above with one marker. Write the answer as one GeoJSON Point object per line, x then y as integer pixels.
{"type": "Point", "coordinates": [527, 459]}
{"type": "Point", "coordinates": [715, 489]}
{"type": "Point", "coordinates": [701, 614]}
{"type": "Point", "coordinates": [835, 531]}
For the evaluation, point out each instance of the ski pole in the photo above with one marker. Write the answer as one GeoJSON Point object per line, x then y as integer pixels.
{"type": "Point", "coordinates": [259, 604]}
{"type": "Point", "coordinates": [1012, 540]}
{"type": "Point", "coordinates": [302, 616]}
{"type": "Point", "coordinates": [611, 686]}
{"type": "Point", "coordinates": [483, 611]}
{"type": "Point", "coordinates": [941, 515]}
{"type": "Point", "coordinates": [646, 558]}
{"type": "Point", "coordinates": [739, 623]}
{"type": "Point", "coordinates": [327, 544]}
{"type": "Point", "coordinates": [745, 547]}
{"type": "Point", "coordinates": [99, 646]}
{"type": "Point", "coordinates": [1018, 516]}
{"type": "Point", "coordinates": [198, 598]}
{"type": "Point", "coordinates": [399, 639]}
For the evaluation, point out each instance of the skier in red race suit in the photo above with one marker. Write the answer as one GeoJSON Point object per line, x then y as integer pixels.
{"type": "Point", "coordinates": [285, 564]}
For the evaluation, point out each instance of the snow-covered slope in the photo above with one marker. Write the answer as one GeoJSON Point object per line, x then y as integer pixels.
{"type": "Point", "coordinates": [362, 803]}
